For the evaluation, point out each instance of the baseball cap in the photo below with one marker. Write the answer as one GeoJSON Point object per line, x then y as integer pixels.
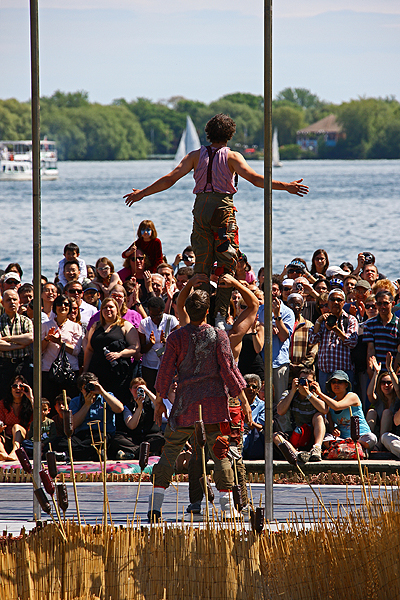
{"type": "Point", "coordinates": [12, 275]}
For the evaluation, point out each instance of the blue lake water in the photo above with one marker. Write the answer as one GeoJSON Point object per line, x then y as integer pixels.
{"type": "Point", "coordinates": [352, 206]}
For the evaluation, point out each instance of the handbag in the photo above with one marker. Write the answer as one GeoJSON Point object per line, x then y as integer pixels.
{"type": "Point", "coordinates": [61, 371]}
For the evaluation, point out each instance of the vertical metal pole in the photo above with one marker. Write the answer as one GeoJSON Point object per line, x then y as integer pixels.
{"type": "Point", "coordinates": [268, 256]}
{"type": "Point", "coordinates": [37, 267]}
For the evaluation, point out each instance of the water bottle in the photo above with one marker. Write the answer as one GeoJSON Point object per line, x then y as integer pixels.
{"type": "Point", "coordinates": [296, 436]}
{"type": "Point", "coordinates": [113, 363]}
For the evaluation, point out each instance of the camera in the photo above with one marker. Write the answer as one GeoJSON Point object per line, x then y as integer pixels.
{"type": "Point", "coordinates": [331, 320]}
{"type": "Point", "coordinates": [141, 393]}
{"type": "Point", "coordinates": [302, 381]}
{"type": "Point", "coordinates": [368, 258]}
{"type": "Point", "coordinates": [185, 257]}
{"type": "Point", "coordinates": [299, 286]}
{"type": "Point", "coordinates": [89, 387]}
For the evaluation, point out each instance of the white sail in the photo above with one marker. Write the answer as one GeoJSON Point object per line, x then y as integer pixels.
{"type": "Point", "coordinates": [275, 150]}
{"type": "Point", "coordinates": [189, 141]}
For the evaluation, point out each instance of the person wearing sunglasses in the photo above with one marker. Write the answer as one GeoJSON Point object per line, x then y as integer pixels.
{"type": "Point", "coordinates": [16, 413]}
{"type": "Point", "coordinates": [384, 396]}
{"type": "Point", "coordinates": [105, 278]}
{"type": "Point", "coordinates": [149, 243]}
{"type": "Point", "coordinates": [55, 332]}
{"type": "Point", "coordinates": [336, 332]}
{"type": "Point", "coordinates": [74, 290]}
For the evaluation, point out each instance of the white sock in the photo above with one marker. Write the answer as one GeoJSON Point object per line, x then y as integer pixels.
{"type": "Point", "coordinates": [157, 500]}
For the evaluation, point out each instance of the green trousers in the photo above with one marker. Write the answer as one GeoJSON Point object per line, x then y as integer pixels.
{"type": "Point", "coordinates": [215, 237]}
{"type": "Point", "coordinates": [174, 442]}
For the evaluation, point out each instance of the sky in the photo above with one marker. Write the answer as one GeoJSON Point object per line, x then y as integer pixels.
{"type": "Point", "coordinates": [157, 49]}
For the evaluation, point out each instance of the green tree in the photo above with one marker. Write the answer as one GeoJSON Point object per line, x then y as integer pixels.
{"type": "Point", "coordinates": [288, 120]}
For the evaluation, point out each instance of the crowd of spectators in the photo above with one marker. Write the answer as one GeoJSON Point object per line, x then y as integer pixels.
{"type": "Point", "coordinates": [335, 346]}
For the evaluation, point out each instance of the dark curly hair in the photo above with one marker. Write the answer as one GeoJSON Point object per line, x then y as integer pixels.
{"type": "Point", "coordinates": [25, 416]}
{"type": "Point", "coordinates": [220, 128]}
{"type": "Point", "coordinates": [197, 305]}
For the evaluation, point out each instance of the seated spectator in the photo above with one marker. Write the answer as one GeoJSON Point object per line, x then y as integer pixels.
{"type": "Point", "coordinates": [383, 394]}
{"type": "Point", "coordinates": [188, 257]}
{"type": "Point", "coordinates": [71, 252]}
{"type": "Point", "coordinates": [302, 352]}
{"type": "Point", "coordinates": [56, 332]}
{"type": "Point", "coordinates": [48, 432]}
{"type": "Point", "coordinates": [137, 423]}
{"type": "Point", "coordinates": [339, 399]}
{"type": "Point", "coordinates": [305, 410]}
{"type": "Point", "coordinates": [137, 269]}
{"type": "Point", "coordinates": [253, 439]}
{"type": "Point", "coordinates": [87, 408]}
{"type": "Point", "coordinates": [16, 412]}
{"type": "Point", "coordinates": [149, 243]}
{"type": "Point", "coordinates": [105, 278]}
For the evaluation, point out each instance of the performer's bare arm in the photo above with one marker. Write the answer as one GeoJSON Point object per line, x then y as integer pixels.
{"type": "Point", "coordinates": [239, 165]}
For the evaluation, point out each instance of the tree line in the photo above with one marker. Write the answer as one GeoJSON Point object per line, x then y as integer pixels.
{"type": "Point", "coordinates": [141, 128]}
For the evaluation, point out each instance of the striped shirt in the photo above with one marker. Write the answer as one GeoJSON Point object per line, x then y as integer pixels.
{"type": "Point", "coordinates": [333, 354]}
{"type": "Point", "coordinates": [386, 338]}
{"type": "Point", "coordinates": [18, 326]}
{"type": "Point", "coordinates": [301, 409]}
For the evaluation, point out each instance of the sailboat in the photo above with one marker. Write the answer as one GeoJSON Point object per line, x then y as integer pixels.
{"type": "Point", "coordinates": [275, 150]}
{"type": "Point", "coordinates": [189, 141]}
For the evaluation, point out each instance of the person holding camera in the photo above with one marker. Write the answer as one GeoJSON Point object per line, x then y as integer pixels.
{"type": "Point", "coordinates": [188, 257]}
{"type": "Point", "coordinates": [137, 423]}
{"type": "Point", "coordinates": [87, 408]}
{"type": "Point", "coordinates": [306, 413]}
{"type": "Point", "coordinates": [336, 332]}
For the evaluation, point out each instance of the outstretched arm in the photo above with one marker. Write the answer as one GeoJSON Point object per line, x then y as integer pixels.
{"type": "Point", "coordinates": [237, 162]}
{"type": "Point", "coordinates": [164, 183]}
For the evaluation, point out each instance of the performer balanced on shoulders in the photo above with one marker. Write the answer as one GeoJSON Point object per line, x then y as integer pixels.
{"type": "Point", "coordinates": [215, 231]}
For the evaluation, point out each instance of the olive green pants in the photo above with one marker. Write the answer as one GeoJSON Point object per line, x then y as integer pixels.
{"type": "Point", "coordinates": [174, 442]}
{"type": "Point", "coordinates": [215, 237]}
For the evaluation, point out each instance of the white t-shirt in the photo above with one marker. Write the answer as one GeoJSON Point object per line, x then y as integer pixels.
{"type": "Point", "coordinates": [150, 359]}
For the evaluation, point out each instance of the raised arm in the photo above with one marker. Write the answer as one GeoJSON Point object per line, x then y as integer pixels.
{"type": "Point", "coordinates": [195, 281]}
{"type": "Point", "coordinates": [165, 182]}
{"type": "Point", "coordinates": [371, 391]}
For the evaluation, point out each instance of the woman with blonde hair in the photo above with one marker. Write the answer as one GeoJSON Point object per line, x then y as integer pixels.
{"type": "Point", "coordinates": [112, 345]}
{"type": "Point", "coordinates": [149, 243]}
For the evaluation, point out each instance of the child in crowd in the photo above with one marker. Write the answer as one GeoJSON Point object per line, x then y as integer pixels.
{"type": "Point", "coordinates": [48, 431]}
{"type": "Point", "coordinates": [149, 243]}
{"type": "Point", "coordinates": [71, 252]}
{"type": "Point", "coordinates": [106, 277]}
{"type": "Point", "coordinates": [188, 257]}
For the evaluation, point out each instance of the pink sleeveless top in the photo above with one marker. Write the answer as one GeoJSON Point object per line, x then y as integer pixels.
{"type": "Point", "coordinates": [222, 178]}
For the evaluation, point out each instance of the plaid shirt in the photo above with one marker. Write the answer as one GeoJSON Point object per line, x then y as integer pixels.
{"type": "Point", "coordinates": [301, 351]}
{"type": "Point", "coordinates": [18, 326]}
{"type": "Point", "coordinates": [333, 354]}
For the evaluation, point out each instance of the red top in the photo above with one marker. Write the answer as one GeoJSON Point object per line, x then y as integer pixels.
{"type": "Point", "coordinates": [9, 418]}
{"type": "Point", "coordinates": [153, 251]}
{"type": "Point", "coordinates": [206, 372]}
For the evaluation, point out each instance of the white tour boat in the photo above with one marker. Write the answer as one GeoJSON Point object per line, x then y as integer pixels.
{"type": "Point", "coordinates": [16, 160]}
